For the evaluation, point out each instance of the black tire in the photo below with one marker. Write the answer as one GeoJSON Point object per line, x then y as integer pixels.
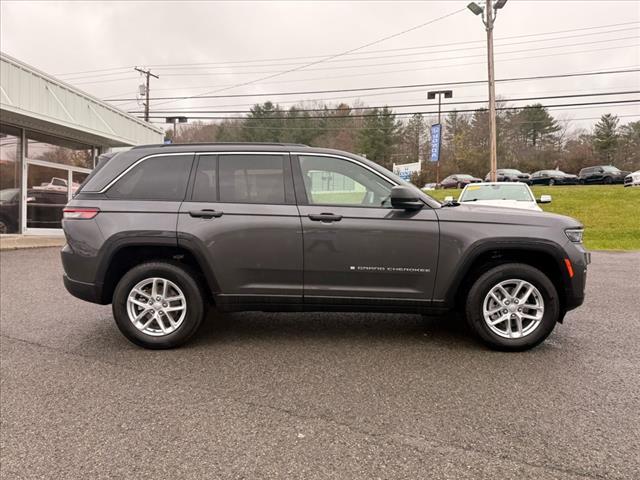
{"type": "Point", "coordinates": [181, 276]}
{"type": "Point", "coordinates": [460, 185]}
{"type": "Point", "coordinates": [552, 182]}
{"type": "Point", "coordinates": [487, 281]}
{"type": "Point", "coordinates": [607, 180]}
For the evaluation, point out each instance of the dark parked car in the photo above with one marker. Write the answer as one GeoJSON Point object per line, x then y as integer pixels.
{"type": "Point", "coordinates": [458, 181]}
{"type": "Point", "coordinates": [509, 175]}
{"type": "Point", "coordinates": [552, 177]}
{"type": "Point", "coordinates": [44, 209]}
{"type": "Point", "coordinates": [162, 232]}
{"type": "Point", "coordinates": [602, 174]}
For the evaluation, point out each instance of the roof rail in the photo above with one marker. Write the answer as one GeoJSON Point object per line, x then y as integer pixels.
{"type": "Point", "coordinates": [274, 144]}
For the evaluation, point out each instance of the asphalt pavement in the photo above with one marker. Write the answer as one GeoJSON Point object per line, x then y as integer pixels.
{"type": "Point", "coordinates": [305, 396]}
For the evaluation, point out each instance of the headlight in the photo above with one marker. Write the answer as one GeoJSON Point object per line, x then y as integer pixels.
{"type": "Point", "coordinates": [574, 234]}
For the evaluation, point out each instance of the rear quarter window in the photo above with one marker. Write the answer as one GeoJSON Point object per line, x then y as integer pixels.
{"type": "Point", "coordinates": [163, 178]}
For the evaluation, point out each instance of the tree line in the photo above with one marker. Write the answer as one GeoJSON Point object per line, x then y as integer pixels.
{"type": "Point", "coordinates": [529, 138]}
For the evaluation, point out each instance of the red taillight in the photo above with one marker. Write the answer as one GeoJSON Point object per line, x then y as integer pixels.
{"type": "Point", "coordinates": [567, 263]}
{"type": "Point", "coordinates": [82, 213]}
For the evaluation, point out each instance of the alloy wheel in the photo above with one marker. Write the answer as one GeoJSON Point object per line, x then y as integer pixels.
{"type": "Point", "coordinates": [156, 306]}
{"type": "Point", "coordinates": [513, 308]}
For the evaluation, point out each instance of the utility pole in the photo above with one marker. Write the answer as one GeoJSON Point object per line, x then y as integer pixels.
{"type": "Point", "coordinates": [490, 11]}
{"type": "Point", "coordinates": [147, 92]}
{"type": "Point", "coordinates": [493, 141]}
{"type": "Point", "coordinates": [431, 96]}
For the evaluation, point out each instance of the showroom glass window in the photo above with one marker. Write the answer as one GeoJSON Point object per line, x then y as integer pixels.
{"type": "Point", "coordinates": [57, 150]}
{"type": "Point", "coordinates": [10, 154]}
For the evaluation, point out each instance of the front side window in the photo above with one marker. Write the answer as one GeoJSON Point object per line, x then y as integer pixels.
{"type": "Point", "coordinates": [161, 178]}
{"type": "Point", "coordinates": [335, 181]}
{"type": "Point", "coordinates": [252, 178]}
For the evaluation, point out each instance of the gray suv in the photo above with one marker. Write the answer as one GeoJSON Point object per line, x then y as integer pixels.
{"type": "Point", "coordinates": [161, 232]}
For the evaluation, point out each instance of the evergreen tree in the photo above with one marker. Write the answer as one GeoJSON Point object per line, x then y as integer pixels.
{"type": "Point", "coordinates": [605, 136]}
{"type": "Point", "coordinates": [379, 135]}
{"type": "Point", "coordinates": [414, 138]}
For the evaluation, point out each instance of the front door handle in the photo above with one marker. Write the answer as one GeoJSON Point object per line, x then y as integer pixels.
{"type": "Point", "coordinates": [205, 213]}
{"type": "Point", "coordinates": [325, 217]}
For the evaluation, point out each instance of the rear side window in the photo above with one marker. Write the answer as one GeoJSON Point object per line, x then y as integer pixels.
{"type": "Point", "coordinates": [251, 178]}
{"type": "Point", "coordinates": [156, 178]}
{"type": "Point", "coordinates": [205, 186]}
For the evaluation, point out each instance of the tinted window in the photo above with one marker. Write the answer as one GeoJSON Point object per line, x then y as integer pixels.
{"type": "Point", "coordinates": [334, 181]}
{"type": "Point", "coordinates": [205, 187]}
{"type": "Point", "coordinates": [156, 178]}
{"type": "Point", "coordinates": [251, 178]}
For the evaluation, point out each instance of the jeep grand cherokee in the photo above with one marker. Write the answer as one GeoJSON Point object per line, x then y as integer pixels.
{"type": "Point", "coordinates": [163, 231]}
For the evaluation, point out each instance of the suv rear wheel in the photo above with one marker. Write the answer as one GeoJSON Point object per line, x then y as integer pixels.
{"type": "Point", "coordinates": [513, 307]}
{"type": "Point", "coordinates": [158, 305]}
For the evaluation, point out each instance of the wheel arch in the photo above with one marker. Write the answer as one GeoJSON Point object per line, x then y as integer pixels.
{"type": "Point", "coordinates": [544, 255]}
{"type": "Point", "coordinates": [126, 253]}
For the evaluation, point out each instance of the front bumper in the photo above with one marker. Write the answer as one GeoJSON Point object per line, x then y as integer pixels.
{"type": "Point", "coordinates": [575, 288]}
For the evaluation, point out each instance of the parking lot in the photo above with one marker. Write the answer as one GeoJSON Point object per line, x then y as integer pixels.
{"type": "Point", "coordinates": [316, 395]}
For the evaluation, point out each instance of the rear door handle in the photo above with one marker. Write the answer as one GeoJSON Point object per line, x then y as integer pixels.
{"type": "Point", "coordinates": [205, 213]}
{"type": "Point", "coordinates": [325, 217]}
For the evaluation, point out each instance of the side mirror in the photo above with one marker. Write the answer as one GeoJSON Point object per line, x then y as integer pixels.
{"type": "Point", "coordinates": [405, 198]}
{"type": "Point", "coordinates": [448, 199]}
{"type": "Point", "coordinates": [544, 199]}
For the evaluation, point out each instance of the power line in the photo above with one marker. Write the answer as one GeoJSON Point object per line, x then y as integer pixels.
{"type": "Point", "coordinates": [341, 60]}
{"type": "Point", "coordinates": [162, 66]}
{"type": "Point", "coordinates": [413, 105]}
{"type": "Point", "coordinates": [420, 91]}
{"type": "Point", "coordinates": [346, 127]}
{"type": "Point", "coordinates": [322, 60]}
{"type": "Point", "coordinates": [402, 114]}
{"type": "Point", "coordinates": [395, 71]}
{"type": "Point", "coordinates": [403, 62]}
{"type": "Point", "coordinates": [415, 85]}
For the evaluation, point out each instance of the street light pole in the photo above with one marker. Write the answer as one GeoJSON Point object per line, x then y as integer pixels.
{"type": "Point", "coordinates": [430, 96]}
{"type": "Point", "coordinates": [175, 121]}
{"type": "Point", "coordinates": [490, 11]}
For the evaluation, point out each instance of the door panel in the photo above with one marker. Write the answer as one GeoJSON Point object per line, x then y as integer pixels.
{"type": "Point", "coordinates": [251, 249]}
{"type": "Point", "coordinates": [252, 244]}
{"type": "Point", "coordinates": [355, 245]}
{"type": "Point", "coordinates": [370, 252]}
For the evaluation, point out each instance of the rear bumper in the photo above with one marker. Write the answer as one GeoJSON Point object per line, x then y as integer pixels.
{"type": "Point", "coordinates": [88, 292]}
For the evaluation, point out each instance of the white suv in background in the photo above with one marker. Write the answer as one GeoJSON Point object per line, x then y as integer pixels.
{"type": "Point", "coordinates": [633, 179]}
{"type": "Point", "coordinates": [501, 194]}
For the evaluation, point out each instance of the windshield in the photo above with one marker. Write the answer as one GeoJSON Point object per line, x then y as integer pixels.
{"type": "Point", "coordinates": [610, 169]}
{"type": "Point", "coordinates": [464, 176]}
{"type": "Point", "coordinates": [511, 171]}
{"type": "Point", "coordinates": [472, 193]}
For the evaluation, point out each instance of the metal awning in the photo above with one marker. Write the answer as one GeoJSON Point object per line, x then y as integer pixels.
{"type": "Point", "coordinates": [32, 99]}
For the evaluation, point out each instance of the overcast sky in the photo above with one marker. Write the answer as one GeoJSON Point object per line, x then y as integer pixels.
{"type": "Point", "coordinates": [63, 38]}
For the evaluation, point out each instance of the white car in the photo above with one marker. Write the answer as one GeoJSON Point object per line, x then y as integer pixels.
{"type": "Point", "coordinates": [633, 179]}
{"type": "Point", "coordinates": [501, 194]}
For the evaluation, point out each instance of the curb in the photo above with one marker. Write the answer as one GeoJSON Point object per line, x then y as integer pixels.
{"type": "Point", "coordinates": [19, 242]}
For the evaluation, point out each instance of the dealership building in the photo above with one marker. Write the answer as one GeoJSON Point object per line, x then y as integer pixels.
{"type": "Point", "coordinates": [50, 136]}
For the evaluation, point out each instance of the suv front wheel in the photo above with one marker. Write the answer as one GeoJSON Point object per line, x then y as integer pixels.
{"type": "Point", "coordinates": [158, 305]}
{"type": "Point", "coordinates": [513, 307]}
